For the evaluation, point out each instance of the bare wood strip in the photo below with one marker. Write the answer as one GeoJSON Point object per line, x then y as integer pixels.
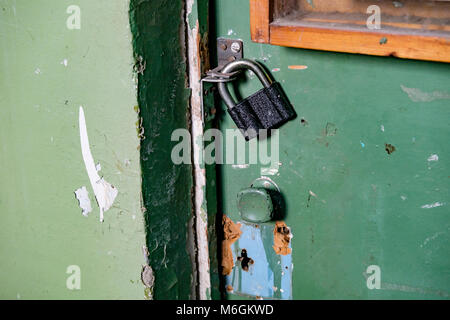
{"type": "Point", "coordinates": [259, 20]}
{"type": "Point", "coordinates": [363, 42]}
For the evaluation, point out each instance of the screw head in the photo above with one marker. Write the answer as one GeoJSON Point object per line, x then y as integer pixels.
{"type": "Point", "coordinates": [235, 47]}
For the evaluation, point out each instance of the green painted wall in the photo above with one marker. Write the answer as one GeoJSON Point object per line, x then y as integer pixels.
{"type": "Point", "coordinates": [370, 207]}
{"type": "Point", "coordinates": [42, 230]}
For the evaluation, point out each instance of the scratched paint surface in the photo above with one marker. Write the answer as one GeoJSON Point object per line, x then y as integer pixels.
{"type": "Point", "coordinates": [350, 203]}
{"type": "Point", "coordinates": [47, 73]}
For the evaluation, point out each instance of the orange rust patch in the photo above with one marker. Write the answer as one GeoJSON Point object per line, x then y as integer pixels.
{"type": "Point", "coordinates": [229, 288]}
{"type": "Point", "coordinates": [231, 232]}
{"type": "Point", "coordinates": [281, 238]}
{"type": "Point", "coordinates": [297, 67]}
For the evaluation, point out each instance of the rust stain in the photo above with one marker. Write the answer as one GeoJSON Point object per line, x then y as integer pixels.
{"type": "Point", "coordinates": [297, 67]}
{"type": "Point", "coordinates": [281, 238]}
{"type": "Point", "coordinates": [389, 148]}
{"type": "Point", "coordinates": [230, 288]}
{"type": "Point", "coordinates": [231, 233]}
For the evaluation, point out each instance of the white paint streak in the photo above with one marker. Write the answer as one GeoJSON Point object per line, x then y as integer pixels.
{"type": "Point", "coordinates": [432, 205]}
{"type": "Point", "coordinates": [104, 192]}
{"type": "Point", "coordinates": [240, 166]}
{"type": "Point", "coordinates": [65, 62]}
{"type": "Point", "coordinates": [433, 157]}
{"type": "Point", "coordinates": [417, 95]}
{"type": "Point", "coordinates": [382, 128]}
{"type": "Point", "coordinates": [83, 200]}
{"type": "Point", "coordinates": [201, 222]}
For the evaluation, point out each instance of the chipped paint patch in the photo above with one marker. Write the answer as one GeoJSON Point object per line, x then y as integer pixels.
{"type": "Point", "coordinates": [271, 171]}
{"type": "Point", "coordinates": [240, 166]}
{"type": "Point", "coordinates": [268, 270]}
{"type": "Point", "coordinates": [65, 62]}
{"type": "Point", "coordinates": [382, 128]}
{"type": "Point", "coordinates": [297, 67]}
{"type": "Point", "coordinates": [383, 40]}
{"type": "Point", "coordinates": [231, 233]}
{"type": "Point", "coordinates": [105, 193]}
{"type": "Point", "coordinates": [432, 205]}
{"type": "Point", "coordinates": [389, 148]}
{"type": "Point", "coordinates": [281, 238]}
{"type": "Point", "coordinates": [433, 157]}
{"type": "Point", "coordinates": [84, 202]}
{"type": "Point", "coordinates": [275, 69]}
{"type": "Point", "coordinates": [417, 95]}
{"type": "Point", "coordinates": [148, 279]}
{"type": "Point", "coordinates": [312, 193]}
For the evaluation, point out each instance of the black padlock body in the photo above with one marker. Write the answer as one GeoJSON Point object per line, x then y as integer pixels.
{"type": "Point", "coordinates": [266, 109]}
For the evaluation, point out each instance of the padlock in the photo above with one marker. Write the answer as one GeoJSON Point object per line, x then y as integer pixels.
{"type": "Point", "coordinates": [268, 108]}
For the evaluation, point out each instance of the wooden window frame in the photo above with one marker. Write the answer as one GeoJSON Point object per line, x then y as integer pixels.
{"type": "Point", "coordinates": [402, 45]}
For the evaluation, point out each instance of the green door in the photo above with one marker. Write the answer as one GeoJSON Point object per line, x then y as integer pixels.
{"type": "Point", "coordinates": [363, 171]}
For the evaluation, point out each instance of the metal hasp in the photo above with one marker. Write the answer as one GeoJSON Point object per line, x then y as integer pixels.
{"type": "Point", "coordinates": [229, 50]}
{"type": "Point", "coordinates": [268, 108]}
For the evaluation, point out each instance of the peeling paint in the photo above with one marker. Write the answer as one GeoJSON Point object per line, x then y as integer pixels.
{"type": "Point", "coordinates": [433, 157]}
{"type": "Point", "coordinates": [432, 205]}
{"type": "Point", "coordinates": [105, 193]}
{"type": "Point", "coordinates": [281, 238]}
{"type": "Point", "coordinates": [240, 166]}
{"type": "Point", "coordinates": [389, 148]}
{"type": "Point", "coordinates": [194, 56]}
{"type": "Point", "coordinates": [83, 200]}
{"type": "Point", "coordinates": [231, 233]}
{"type": "Point", "coordinates": [297, 67]}
{"type": "Point", "coordinates": [268, 271]}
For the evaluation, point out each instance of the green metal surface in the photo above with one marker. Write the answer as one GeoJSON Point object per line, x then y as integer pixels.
{"type": "Point", "coordinates": [254, 205]}
{"type": "Point", "coordinates": [46, 72]}
{"type": "Point", "coordinates": [158, 37]}
{"type": "Point", "coordinates": [352, 201]}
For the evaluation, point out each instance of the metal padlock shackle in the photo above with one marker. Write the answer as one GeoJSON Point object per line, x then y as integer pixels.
{"type": "Point", "coordinates": [239, 65]}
